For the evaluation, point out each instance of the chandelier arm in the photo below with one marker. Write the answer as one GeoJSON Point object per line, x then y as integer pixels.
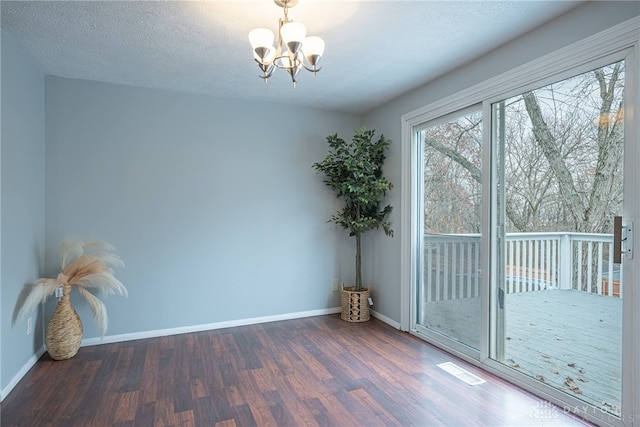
{"type": "Point", "coordinates": [313, 70]}
{"type": "Point", "coordinates": [278, 54]}
{"type": "Point", "coordinates": [296, 63]}
{"type": "Point", "coordinates": [267, 69]}
{"type": "Point", "coordinates": [293, 72]}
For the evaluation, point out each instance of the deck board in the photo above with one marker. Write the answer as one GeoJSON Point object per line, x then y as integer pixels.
{"type": "Point", "coordinates": [551, 335]}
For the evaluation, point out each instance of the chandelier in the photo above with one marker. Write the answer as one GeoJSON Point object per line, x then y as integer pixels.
{"type": "Point", "coordinates": [293, 51]}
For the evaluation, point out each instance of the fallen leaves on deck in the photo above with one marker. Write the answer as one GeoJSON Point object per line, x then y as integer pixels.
{"type": "Point", "coordinates": [569, 382]}
{"type": "Point", "coordinates": [610, 408]}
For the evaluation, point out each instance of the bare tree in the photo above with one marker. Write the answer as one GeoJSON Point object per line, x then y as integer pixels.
{"type": "Point", "coordinates": [452, 178]}
{"type": "Point", "coordinates": [563, 154]}
{"type": "Point", "coordinates": [592, 209]}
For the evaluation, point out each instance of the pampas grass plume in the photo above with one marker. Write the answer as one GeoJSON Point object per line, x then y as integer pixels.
{"type": "Point", "coordinates": [85, 264]}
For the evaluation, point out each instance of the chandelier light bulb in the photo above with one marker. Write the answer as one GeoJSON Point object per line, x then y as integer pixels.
{"type": "Point", "coordinates": [261, 37]}
{"type": "Point", "coordinates": [313, 48]}
{"type": "Point", "coordinates": [293, 34]}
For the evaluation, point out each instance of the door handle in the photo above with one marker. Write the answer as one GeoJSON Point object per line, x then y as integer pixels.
{"type": "Point", "coordinates": [622, 239]}
{"type": "Point", "coordinates": [617, 239]}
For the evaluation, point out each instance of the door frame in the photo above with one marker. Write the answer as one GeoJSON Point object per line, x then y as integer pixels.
{"type": "Point", "coordinates": [622, 37]}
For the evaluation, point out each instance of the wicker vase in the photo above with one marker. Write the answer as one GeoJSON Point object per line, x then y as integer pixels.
{"type": "Point", "coordinates": [355, 305]}
{"type": "Point", "coordinates": [64, 331]}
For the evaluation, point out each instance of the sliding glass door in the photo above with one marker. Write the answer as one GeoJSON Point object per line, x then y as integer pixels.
{"type": "Point", "coordinates": [558, 294]}
{"type": "Point", "coordinates": [451, 201]}
{"type": "Point", "coordinates": [520, 234]}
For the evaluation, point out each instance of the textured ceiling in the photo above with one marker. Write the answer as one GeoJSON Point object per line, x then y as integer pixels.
{"type": "Point", "coordinates": [375, 50]}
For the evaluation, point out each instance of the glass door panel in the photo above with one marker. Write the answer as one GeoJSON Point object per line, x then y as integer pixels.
{"type": "Point", "coordinates": [449, 278]}
{"type": "Point", "coordinates": [557, 300]}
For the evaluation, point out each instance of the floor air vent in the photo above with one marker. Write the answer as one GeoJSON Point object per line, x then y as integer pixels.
{"type": "Point", "coordinates": [461, 373]}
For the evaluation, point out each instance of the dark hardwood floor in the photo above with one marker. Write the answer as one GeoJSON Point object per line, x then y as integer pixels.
{"type": "Point", "coordinates": [312, 371]}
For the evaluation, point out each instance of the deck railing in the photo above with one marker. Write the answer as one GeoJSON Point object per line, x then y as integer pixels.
{"type": "Point", "coordinates": [533, 262]}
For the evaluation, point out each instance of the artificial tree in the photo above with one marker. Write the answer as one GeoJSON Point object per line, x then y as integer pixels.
{"type": "Point", "coordinates": [354, 171]}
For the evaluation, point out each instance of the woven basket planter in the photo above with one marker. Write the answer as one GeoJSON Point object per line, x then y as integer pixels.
{"type": "Point", "coordinates": [64, 331]}
{"type": "Point", "coordinates": [355, 305]}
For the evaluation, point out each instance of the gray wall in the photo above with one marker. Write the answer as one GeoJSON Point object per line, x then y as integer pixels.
{"type": "Point", "coordinates": [22, 170]}
{"type": "Point", "coordinates": [212, 204]}
{"type": "Point", "coordinates": [586, 20]}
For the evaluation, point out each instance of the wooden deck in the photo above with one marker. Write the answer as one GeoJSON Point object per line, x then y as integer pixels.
{"type": "Point", "coordinates": [568, 339]}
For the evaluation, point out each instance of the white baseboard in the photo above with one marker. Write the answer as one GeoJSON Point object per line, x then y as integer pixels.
{"type": "Point", "coordinates": [21, 373]}
{"type": "Point", "coordinates": [226, 324]}
{"type": "Point", "coordinates": [385, 319]}
{"type": "Point", "coordinates": [206, 327]}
